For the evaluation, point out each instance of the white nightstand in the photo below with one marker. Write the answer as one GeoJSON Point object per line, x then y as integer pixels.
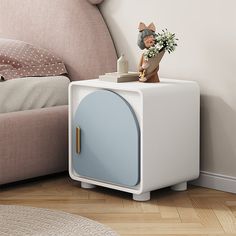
{"type": "Point", "coordinates": [134, 137]}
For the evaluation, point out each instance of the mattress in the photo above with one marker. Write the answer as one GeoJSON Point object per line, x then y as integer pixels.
{"type": "Point", "coordinates": [33, 93]}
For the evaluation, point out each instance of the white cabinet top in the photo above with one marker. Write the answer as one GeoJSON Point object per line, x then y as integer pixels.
{"type": "Point", "coordinates": [133, 85]}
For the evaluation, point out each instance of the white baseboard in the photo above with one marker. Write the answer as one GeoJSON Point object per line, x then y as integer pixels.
{"type": "Point", "coordinates": [216, 181]}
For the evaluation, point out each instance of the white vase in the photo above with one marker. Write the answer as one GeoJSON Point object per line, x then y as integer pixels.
{"type": "Point", "coordinates": [122, 65]}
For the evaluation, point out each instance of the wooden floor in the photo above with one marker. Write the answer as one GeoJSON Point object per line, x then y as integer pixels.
{"type": "Point", "coordinates": [198, 211]}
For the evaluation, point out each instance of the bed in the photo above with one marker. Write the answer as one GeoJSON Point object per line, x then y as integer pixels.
{"type": "Point", "coordinates": [33, 136]}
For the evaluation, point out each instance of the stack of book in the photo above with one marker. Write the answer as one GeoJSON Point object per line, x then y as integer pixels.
{"type": "Point", "coordinates": [120, 77]}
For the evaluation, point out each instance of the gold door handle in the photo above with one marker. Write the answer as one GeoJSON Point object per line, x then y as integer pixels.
{"type": "Point", "coordinates": [78, 139]}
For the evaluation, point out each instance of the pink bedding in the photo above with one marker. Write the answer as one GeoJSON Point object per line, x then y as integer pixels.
{"type": "Point", "coordinates": [19, 59]}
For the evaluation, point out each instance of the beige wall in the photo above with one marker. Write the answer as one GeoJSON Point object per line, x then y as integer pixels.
{"type": "Point", "coordinates": [206, 53]}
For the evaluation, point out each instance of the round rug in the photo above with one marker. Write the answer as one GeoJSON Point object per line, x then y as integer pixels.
{"type": "Point", "coordinates": [20, 220]}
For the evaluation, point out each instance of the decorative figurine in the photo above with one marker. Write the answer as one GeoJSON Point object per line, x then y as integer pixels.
{"type": "Point", "coordinates": [155, 46]}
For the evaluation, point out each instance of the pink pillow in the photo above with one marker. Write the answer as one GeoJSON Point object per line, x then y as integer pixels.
{"type": "Point", "coordinates": [19, 59]}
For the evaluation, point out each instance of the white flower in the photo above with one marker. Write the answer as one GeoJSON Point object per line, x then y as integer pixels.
{"type": "Point", "coordinates": [164, 39]}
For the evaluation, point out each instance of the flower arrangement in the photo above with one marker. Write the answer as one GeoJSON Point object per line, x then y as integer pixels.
{"type": "Point", "coordinates": [163, 41]}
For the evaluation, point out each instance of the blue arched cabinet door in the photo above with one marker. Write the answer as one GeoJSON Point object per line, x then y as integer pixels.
{"type": "Point", "coordinates": [109, 139]}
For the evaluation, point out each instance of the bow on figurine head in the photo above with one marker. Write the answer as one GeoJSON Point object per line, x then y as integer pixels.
{"type": "Point", "coordinates": [142, 27]}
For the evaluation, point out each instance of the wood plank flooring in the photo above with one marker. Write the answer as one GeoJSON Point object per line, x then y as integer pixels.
{"type": "Point", "coordinates": [196, 212]}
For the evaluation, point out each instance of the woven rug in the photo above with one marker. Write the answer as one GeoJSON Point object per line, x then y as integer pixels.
{"type": "Point", "coordinates": [20, 220]}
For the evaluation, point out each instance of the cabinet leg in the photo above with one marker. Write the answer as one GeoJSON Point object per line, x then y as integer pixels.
{"type": "Point", "coordinates": [142, 197]}
{"type": "Point", "coordinates": [179, 187]}
{"type": "Point", "coordinates": [87, 185]}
